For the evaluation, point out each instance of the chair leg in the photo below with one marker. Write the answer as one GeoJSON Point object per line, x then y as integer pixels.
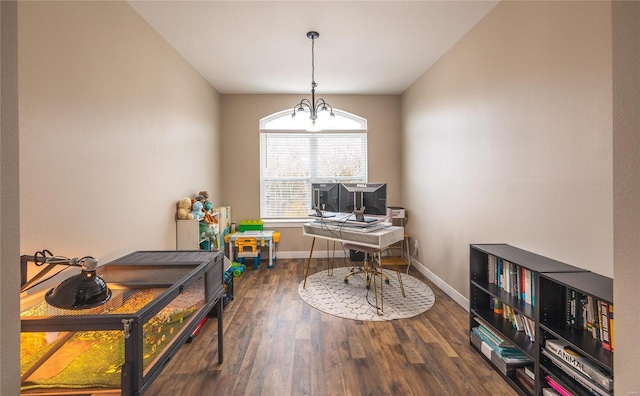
{"type": "Point", "coordinates": [306, 273]}
{"type": "Point", "coordinates": [397, 267]}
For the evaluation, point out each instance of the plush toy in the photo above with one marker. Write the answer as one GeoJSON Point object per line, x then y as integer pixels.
{"type": "Point", "coordinates": [184, 205]}
{"type": "Point", "coordinates": [203, 197]}
{"type": "Point", "coordinates": [209, 218]}
{"type": "Point", "coordinates": [196, 210]}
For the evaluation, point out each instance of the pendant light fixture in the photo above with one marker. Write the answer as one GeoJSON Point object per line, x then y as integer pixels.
{"type": "Point", "coordinates": [313, 106]}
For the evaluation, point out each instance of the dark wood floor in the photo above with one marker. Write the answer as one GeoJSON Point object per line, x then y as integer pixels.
{"type": "Point", "coordinates": [275, 344]}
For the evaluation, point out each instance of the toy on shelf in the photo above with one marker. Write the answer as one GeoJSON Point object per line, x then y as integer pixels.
{"type": "Point", "coordinates": [196, 211]}
{"type": "Point", "coordinates": [184, 208]}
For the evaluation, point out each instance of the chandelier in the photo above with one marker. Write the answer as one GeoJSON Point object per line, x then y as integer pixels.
{"type": "Point", "coordinates": [313, 106]}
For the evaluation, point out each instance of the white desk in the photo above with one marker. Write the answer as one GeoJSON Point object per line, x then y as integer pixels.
{"type": "Point", "coordinates": [263, 237]}
{"type": "Point", "coordinates": [377, 240]}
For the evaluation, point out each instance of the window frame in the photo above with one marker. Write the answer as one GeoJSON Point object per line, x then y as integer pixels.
{"type": "Point", "coordinates": [312, 178]}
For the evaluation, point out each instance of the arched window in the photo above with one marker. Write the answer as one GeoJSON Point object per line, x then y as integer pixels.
{"type": "Point", "coordinates": [291, 158]}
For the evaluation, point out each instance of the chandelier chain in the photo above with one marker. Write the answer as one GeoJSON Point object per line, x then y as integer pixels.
{"type": "Point", "coordinates": [313, 63]}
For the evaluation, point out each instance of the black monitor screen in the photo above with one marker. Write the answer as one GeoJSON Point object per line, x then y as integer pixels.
{"type": "Point", "coordinates": [325, 196]}
{"type": "Point", "coordinates": [373, 196]}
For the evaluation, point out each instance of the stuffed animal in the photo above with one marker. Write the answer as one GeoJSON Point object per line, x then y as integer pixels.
{"type": "Point", "coordinates": [196, 210]}
{"type": "Point", "coordinates": [203, 197]}
{"type": "Point", "coordinates": [184, 206]}
{"type": "Point", "coordinates": [210, 219]}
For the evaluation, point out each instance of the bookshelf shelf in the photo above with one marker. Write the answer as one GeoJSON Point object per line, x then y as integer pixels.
{"type": "Point", "coordinates": [505, 328]}
{"type": "Point", "coordinates": [555, 301]}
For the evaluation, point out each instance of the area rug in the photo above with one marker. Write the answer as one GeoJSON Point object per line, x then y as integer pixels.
{"type": "Point", "coordinates": [352, 300]}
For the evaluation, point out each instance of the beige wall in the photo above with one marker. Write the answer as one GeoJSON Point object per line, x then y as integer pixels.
{"type": "Point", "coordinates": [9, 202]}
{"type": "Point", "coordinates": [626, 188]}
{"type": "Point", "coordinates": [115, 128]}
{"type": "Point", "coordinates": [240, 142]}
{"type": "Point", "coordinates": [507, 138]}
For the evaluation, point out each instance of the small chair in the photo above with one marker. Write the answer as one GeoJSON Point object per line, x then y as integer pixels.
{"type": "Point", "coordinates": [248, 247]}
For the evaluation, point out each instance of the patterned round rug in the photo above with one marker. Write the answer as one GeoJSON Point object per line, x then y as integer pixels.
{"type": "Point", "coordinates": [352, 300]}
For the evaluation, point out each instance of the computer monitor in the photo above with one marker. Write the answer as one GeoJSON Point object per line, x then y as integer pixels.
{"type": "Point", "coordinates": [325, 197]}
{"type": "Point", "coordinates": [363, 198]}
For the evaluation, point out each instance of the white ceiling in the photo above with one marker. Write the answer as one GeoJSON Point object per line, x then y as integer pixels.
{"type": "Point", "coordinates": [365, 47]}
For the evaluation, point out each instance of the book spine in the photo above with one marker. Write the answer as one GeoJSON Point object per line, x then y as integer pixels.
{"type": "Point", "coordinates": [567, 305]}
{"type": "Point", "coordinates": [573, 308]}
{"type": "Point", "coordinates": [605, 325]}
{"type": "Point", "coordinates": [611, 326]}
{"type": "Point", "coordinates": [527, 282]}
{"type": "Point", "coordinates": [499, 272]}
{"type": "Point", "coordinates": [580, 301]}
{"type": "Point", "coordinates": [497, 307]}
{"type": "Point", "coordinates": [523, 284]}
{"type": "Point", "coordinates": [557, 387]}
{"type": "Point", "coordinates": [533, 289]}
{"type": "Point", "coordinates": [492, 269]}
{"type": "Point", "coordinates": [513, 275]}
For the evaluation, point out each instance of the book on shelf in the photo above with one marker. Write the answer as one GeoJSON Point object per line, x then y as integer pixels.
{"type": "Point", "coordinates": [505, 360]}
{"type": "Point", "coordinates": [497, 307]}
{"type": "Point", "coordinates": [527, 285]}
{"type": "Point", "coordinates": [493, 338]}
{"type": "Point", "coordinates": [570, 310]}
{"type": "Point", "coordinates": [611, 325]}
{"type": "Point", "coordinates": [529, 371]}
{"type": "Point", "coordinates": [557, 387]}
{"type": "Point", "coordinates": [533, 290]}
{"type": "Point", "coordinates": [582, 364]}
{"type": "Point", "coordinates": [492, 265]}
{"type": "Point", "coordinates": [605, 325]}
{"type": "Point", "coordinates": [580, 378]}
{"type": "Point", "coordinates": [592, 318]}
{"type": "Point", "coordinates": [523, 378]}
{"type": "Point", "coordinates": [499, 272]}
{"type": "Point", "coordinates": [529, 328]}
{"type": "Point", "coordinates": [549, 392]}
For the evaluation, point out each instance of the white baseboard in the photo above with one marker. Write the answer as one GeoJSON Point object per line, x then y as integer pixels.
{"type": "Point", "coordinates": [448, 290]}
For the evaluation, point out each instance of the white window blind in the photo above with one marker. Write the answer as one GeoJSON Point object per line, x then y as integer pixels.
{"type": "Point", "coordinates": [290, 160]}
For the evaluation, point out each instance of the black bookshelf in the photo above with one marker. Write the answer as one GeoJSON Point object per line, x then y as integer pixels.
{"type": "Point", "coordinates": [548, 311]}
